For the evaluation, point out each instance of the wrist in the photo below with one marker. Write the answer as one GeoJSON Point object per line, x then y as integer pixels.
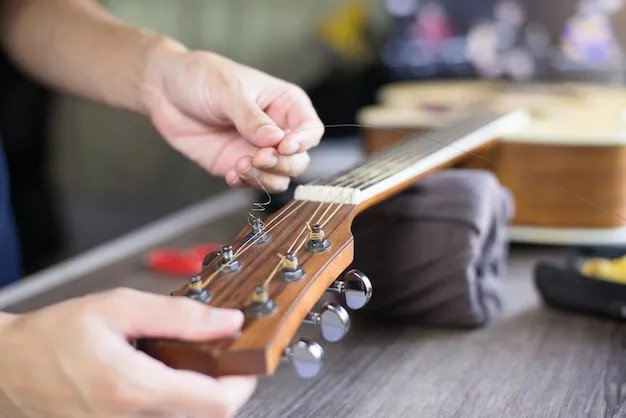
{"type": "Point", "coordinates": [160, 52]}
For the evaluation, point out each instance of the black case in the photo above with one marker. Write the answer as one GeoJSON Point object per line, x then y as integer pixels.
{"type": "Point", "coordinates": [564, 287]}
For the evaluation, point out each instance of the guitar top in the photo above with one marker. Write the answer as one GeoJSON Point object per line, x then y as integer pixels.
{"type": "Point", "coordinates": [277, 269]}
{"type": "Point", "coordinates": [555, 109]}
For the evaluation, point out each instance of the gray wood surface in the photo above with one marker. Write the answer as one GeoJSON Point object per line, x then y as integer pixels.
{"type": "Point", "coordinates": [534, 362]}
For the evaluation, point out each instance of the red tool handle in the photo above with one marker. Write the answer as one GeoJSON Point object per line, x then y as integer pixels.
{"type": "Point", "coordinates": [179, 263]}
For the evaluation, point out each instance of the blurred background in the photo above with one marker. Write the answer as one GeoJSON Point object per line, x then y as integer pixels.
{"type": "Point", "coordinates": [84, 174]}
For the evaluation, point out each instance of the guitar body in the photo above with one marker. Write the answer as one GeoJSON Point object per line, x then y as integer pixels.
{"type": "Point", "coordinates": [565, 169]}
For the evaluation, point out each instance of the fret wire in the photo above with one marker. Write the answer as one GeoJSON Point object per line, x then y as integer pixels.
{"type": "Point", "coordinates": [398, 168]}
{"type": "Point", "coordinates": [391, 166]}
{"type": "Point", "coordinates": [445, 137]}
{"type": "Point", "coordinates": [415, 146]}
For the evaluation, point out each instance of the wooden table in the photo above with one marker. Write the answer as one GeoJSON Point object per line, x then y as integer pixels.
{"type": "Point", "coordinates": [534, 362]}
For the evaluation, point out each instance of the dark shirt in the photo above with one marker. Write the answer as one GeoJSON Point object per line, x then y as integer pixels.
{"type": "Point", "coordinates": [9, 253]}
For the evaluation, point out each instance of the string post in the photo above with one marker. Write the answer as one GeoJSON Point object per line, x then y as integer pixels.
{"type": "Point", "coordinates": [291, 270]}
{"type": "Point", "coordinates": [228, 263]}
{"type": "Point", "coordinates": [258, 235]}
{"type": "Point", "coordinates": [196, 291]}
{"type": "Point", "coordinates": [317, 240]}
{"type": "Point", "coordinates": [260, 294]}
{"type": "Point", "coordinates": [262, 304]}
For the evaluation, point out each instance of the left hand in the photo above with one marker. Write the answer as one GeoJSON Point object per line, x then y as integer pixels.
{"type": "Point", "coordinates": [233, 120]}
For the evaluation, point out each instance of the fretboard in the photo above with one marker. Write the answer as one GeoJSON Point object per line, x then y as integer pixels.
{"type": "Point", "coordinates": [412, 158]}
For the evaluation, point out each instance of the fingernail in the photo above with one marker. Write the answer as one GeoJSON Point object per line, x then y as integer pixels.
{"type": "Point", "coordinates": [227, 316]}
{"type": "Point", "coordinates": [250, 171]}
{"type": "Point", "coordinates": [272, 161]}
{"type": "Point", "coordinates": [270, 131]}
{"type": "Point", "coordinates": [292, 147]}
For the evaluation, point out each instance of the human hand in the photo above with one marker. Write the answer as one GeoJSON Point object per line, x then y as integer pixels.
{"type": "Point", "coordinates": [234, 121]}
{"type": "Point", "coordinates": [74, 360]}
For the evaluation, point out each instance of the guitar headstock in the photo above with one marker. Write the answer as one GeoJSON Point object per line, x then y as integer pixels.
{"type": "Point", "coordinates": [275, 271]}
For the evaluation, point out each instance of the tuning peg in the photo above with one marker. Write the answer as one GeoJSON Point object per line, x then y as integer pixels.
{"type": "Point", "coordinates": [306, 356]}
{"type": "Point", "coordinates": [208, 259]}
{"type": "Point", "coordinates": [356, 287]}
{"type": "Point", "coordinates": [227, 262]}
{"type": "Point", "coordinates": [333, 321]}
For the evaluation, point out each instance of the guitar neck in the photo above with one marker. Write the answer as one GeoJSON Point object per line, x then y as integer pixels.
{"type": "Point", "coordinates": [391, 171]}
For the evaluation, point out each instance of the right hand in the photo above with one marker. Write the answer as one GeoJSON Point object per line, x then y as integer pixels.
{"type": "Point", "coordinates": [74, 360]}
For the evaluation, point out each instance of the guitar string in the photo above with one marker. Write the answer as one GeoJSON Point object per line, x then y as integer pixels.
{"type": "Point", "coordinates": [403, 151]}
{"type": "Point", "coordinates": [345, 180]}
{"type": "Point", "coordinates": [481, 157]}
{"type": "Point", "coordinates": [407, 152]}
{"type": "Point", "coordinates": [261, 206]}
{"type": "Point", "coordinates": [281, 257]}
{"type": "Point", "coordinates": [344, 183]}
{"type": "Point", "coordinates": [271, 276]}
{"type": "Point", "coordinates": [405, 159]}
{"type": "Point", "coordinates": [274, 223]}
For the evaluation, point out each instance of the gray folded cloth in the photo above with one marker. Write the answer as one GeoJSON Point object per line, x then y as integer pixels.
{"type": "Point", "coordinates": [436, 253]}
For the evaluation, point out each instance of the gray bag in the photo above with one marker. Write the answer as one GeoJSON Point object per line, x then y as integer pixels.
{"type": "Point", "coordinates": [436, 253]}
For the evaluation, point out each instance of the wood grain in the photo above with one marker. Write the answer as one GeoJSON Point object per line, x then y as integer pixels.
{"type": "Point", "coordinates": [564, 186]}
{"type": "Point", "coordinates": [533, 362]}
{"type": "Point", "coordinates": [260, 346]}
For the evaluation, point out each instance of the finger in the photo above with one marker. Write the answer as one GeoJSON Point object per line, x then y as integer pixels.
{"type": "Point", "coordinates": [153, 386]}
{"type": "Point", "coordinates": [272, 183]}
{"type": "Point", "coordinates": [196, 395]}
{"type": "Point", "coordinates": [234, 181]}
{"type": "Point", "coordinates": [222, 397]}
{"type": "Point", "coordinates": [253, 123]}
{"type": "Point", "coordinates": [305, 129]}
{"type": "Point", "coordinates": [138, 314]}
{"type": "Point", "coordinates": [301, 139]}
{"type": "Point", "coordinates": [284, 165]}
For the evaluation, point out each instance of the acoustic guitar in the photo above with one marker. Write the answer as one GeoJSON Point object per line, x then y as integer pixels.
{"type": "Point", "coordinates": [277, 270]}
{"type": "Point", "coordinates": [565, 169]}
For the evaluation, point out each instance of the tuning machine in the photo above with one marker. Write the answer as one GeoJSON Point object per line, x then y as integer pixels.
{"type": "Point", "coordinates": [227, 262]}
{"type": "Point", "coordinates": [196, 291]}
{"type": "Point", "coordinates": [307, 357]}
{"type": "Point", "coordinates": [356, 288]}
{"type": "Point", "coordinates": [333, 320]}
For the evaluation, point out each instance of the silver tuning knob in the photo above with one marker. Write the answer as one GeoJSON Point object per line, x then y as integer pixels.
{"type": "Point", "coordinates": [306, 356]}
{"type": "Point", "coordinates": [356, 287]}
{"type": "Point", "coordinates": [333, 321]}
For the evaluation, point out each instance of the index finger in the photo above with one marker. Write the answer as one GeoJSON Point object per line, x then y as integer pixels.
{"type": "Point", "coordinates": [304, 128]}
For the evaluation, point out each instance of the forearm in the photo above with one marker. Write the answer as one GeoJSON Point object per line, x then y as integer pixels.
{"type": "Point", "coordinates": [77, 47]}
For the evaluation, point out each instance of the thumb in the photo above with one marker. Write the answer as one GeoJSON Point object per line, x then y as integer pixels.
{"type": "Point", "coordinates": [137, 314]}
{"type": "Point", "coordinates": [253, 123]}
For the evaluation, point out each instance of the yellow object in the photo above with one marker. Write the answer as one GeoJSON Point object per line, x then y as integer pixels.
{"type": "Point", "coordinates": [606, 269]}
{"type": "Point", "coordinates": [344, 31]}
{"type": "Point", "coordinates": [290, 264]}
{"type": "Point", "coordinates": [261, 295]}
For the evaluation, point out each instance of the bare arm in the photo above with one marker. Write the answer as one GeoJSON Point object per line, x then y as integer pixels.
{"type": "Point", "coordinates": [77, 47]}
